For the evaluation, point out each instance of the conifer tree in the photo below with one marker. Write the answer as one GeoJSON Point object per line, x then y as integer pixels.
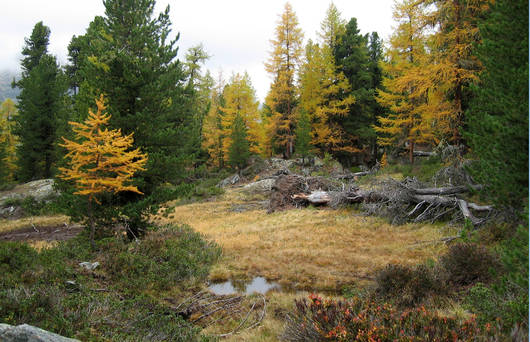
{"type": "Point", "coordinates": [453, 66]}
{"type": "Point", "coordinates": [324, 90]}
{"type": "Point", "coordinates": [497, 120]}
{"type": "Point", "coordinates": [406, 88]}
{"type": "Point", "coordinates": [100, 161]}
{"type": "Point", "coordinates": [240, 99]}
{"type": "Point", "coordinates": [212, 130]}
{"type": "Point", "coordinates": [324, 96]}
{"type": "Point", "coordinates": [303, 135]}
{"type": "Point", "coordinates": [353, 60]}
{"type": "Point", "coordinates": [40, 106]}
{"type": "Point", "coordinates": [8, 141]}
{"type": "Point", "coordinates": [128, 56]}
{"type": "Point", "coordinates": [238, 151]}
{"type": "Point", "coordinates": [282, 66]}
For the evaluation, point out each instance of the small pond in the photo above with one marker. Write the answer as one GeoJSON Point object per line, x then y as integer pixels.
{"type": "Point", "coordinates": [258, 284]}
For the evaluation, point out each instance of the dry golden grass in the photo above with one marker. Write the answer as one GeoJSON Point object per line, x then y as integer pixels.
{"type": "Point", "coordinates": [315, 249]}
{"type": "Point", "coordinates": [9, 225]}
{"type": "Point", "coordinates": [39, 245]}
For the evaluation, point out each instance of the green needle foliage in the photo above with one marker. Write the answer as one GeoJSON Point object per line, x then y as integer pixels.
{"type": "Point", "coordinates": [39, 104]}
{"type": "Point", "coordinates": [303, 135]}
{"type": "Point", "coordinates": [238, 152]}
{"type": "Point", "coordinates": [497, 120]}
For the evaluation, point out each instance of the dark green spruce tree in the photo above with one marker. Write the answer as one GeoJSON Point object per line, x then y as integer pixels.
{"type": "Point", "coordinates": [239, 153]}
{"type": "Point", "coordinates": [375, 54]}
{"type": "Point", "coordinates": [303, 135]}
{"type": "Point", "coordinates": [129, 56]}
{"type": "Point", "coordinates": [353, 59]}
{"type": "Point", "coordinates": [497, 119]}
{"type": "Point", "coordinates": [40, 106]}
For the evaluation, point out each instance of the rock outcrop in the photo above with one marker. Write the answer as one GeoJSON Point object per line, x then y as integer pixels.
{"type": "Point", "coordinates": [40, 190]}
{"type": "Point", "coordinates": [28, 333]}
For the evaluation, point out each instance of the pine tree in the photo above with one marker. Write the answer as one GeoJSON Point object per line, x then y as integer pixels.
{"type": "Point", "coordinates": [238, 152]}
{"type": "Point", "coordinates": [100, 161]}
{"type": "Point", "coordinates": [303, 135]}
{"type": "Point", "coordinates": [406, 88]}
{"type": "Point", "coordinates": [353, 60]}
{"type": "Point", "coordinates": [375, 53]}
{"type": "Point", "coordinates": [497, 120]}
{"type": "Point", "coordinates": [282, 66]}
{"type": "Point", "coordinates": [40, 106]}
{"type": "Point", "coordinates": [128, 56]}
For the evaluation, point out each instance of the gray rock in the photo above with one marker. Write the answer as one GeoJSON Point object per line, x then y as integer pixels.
{"type": "Point", "coordinates": [89, 265]}
{"type": "Point", "coordinates": [229, 181]}
{"type": "Point", "coordinates": [263, 185]}
{"type": "Point", "coordinates": [40, 190]}
{"type": "Point", "coordinates": [28, 333]}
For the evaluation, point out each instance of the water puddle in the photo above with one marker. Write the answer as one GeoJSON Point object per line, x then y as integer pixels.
{"type": "Point", "coordinates": [258, 284]}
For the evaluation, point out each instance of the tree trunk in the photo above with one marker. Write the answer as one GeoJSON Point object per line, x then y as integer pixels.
{"type": "Point", "coordinates": [91, 223]}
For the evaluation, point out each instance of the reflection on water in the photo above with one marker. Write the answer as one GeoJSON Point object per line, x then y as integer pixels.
{"type": "Point", "coordinates": [258, 284]}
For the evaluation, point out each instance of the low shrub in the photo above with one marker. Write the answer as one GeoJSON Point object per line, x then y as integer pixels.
{"type": "Point", "coordinates": [360, 320]}
{"type": "Point", "coordinates": [409, 286]}
{"type": "Point", "coordinates": [468, 263]}
{"type": "Point", "coordinates": [114, 302]}
{"type": "Point", "coordinates": [15, 259]}
{"type": "Point", "coordinates": [507, 298]}
{"type": "Point", "coordinates": [161, 260]}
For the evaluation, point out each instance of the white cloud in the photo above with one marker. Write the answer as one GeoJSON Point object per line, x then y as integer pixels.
{"type": "Point", "coordinates": [235, 32]}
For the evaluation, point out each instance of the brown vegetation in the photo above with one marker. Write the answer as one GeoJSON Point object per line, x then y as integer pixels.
{"type": "Point", "coordinates": [304, 249]}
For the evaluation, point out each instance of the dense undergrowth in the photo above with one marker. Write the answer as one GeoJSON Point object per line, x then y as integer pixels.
{"type": "Point", "coordinates": [118, 301]}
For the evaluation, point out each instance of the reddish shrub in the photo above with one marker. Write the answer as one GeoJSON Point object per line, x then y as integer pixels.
{"type": "Point", "coordinates": [359, 320]}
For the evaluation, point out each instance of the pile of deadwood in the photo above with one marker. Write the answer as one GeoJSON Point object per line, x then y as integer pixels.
{"type": "Point", "coordinates": [408, 200]}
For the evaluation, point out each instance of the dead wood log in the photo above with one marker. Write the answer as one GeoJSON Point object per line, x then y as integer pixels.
{"type": "Point", "coordinates": [450, 190]}
{"type": "Point", "coordinates": [423, 154]}
{"type": "Point", "coordinates": [430, 204]}
{"type": "Point", "coordinates": [353, 175]}
{"type": "Point", "coordinates": [315, 197]}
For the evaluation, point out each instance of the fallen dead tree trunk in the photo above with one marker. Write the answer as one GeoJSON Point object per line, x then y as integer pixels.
{"type": "Point", "coordinates": [423, 154]}
{"type": "Point", "coordinates": [405, 201]}
{"type": "Point", "coordinates": [450, 190]}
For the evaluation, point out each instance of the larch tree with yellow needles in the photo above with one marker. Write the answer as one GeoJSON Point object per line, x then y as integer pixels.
{"type": "Point", "coordinates": [406, 88]}
{"type": "Point", "coordinates": [454, 66]}
{"type": "Point", "coordinates": [8, 140]}
{"type": "Point", "coordinates": [100, 161]}
{"type": "Point", "coordinates": [282, 66]}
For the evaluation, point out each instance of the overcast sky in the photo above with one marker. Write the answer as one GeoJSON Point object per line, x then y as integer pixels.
{"type": "Point", "coordinates": [235, 32]}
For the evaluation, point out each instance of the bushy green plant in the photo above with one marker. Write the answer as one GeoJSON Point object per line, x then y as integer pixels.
{"type": "Point", "coordinates": [113, 302]}
{"type": "Point", "coordinates": [507, 299]}
{"type": "Point", "coordinates": [362, 320]}
{"type": "Point", "coordinates": [161, 260]}
{"type": "Point", "coordinates": [15, 259]}
{"type": "Point", "coordinates": [468, 263]}
{"type": "Point", "coordinates": [408, 286]}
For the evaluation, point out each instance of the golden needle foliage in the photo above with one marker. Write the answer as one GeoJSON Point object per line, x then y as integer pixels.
{"type": "Point", "coordinates": [8, 141]}
{"type": "Point", "coordinates": [100, 162]}
{"type": "Point", "coordinates": [407, 88]}
{"type": "Point", "coordinates": [282, 66]}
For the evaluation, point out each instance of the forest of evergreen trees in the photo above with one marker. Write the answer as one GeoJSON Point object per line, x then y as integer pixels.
{"type": "Point", "coordinates": [452, 72]}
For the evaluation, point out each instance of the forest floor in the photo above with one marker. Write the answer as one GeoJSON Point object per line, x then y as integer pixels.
{"type": "Point", "coordinates": [303, 250]}
{"type": "Point", "coordinates": [309, 250]}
